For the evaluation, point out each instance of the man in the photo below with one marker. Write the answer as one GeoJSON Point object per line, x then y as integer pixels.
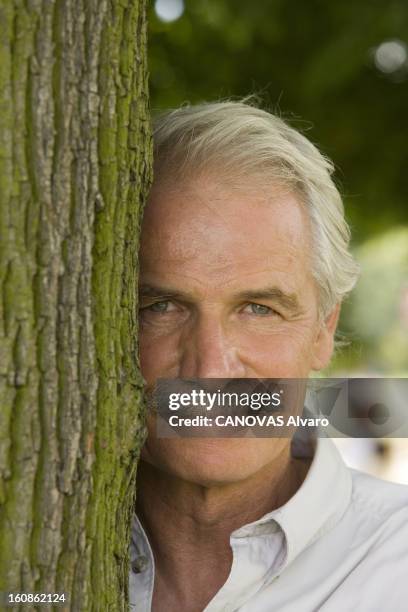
{"type": "Point", "coordinates": [244, 264]}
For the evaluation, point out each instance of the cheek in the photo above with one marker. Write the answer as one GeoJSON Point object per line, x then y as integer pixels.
{"type": "Point", "coordinates": [280, 355]}
{"type": "Point", "coordinates": [157, 355]}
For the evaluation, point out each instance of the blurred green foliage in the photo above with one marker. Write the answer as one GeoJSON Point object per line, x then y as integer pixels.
{"type": "Point", "coordinates": [375, 318]}
{"type": "Point", "coordinates": [313, 63]}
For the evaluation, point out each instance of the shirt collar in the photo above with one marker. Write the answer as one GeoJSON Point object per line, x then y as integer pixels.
{"type": "Point", "coordinates": [315, 508]}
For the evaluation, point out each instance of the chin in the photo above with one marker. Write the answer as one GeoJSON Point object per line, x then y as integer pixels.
{"type": "Point", "coordinates": [210, 461]}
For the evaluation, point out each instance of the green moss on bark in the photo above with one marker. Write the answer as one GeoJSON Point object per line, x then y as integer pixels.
{"type": "Point", "coordinates": [74, 170]}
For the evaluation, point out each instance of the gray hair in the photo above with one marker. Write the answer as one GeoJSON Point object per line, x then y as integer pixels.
{"type": "Point", "coordinates": [237, 136]}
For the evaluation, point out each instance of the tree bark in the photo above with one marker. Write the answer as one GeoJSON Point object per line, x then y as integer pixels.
{"type": "Point", "coordinates": [74, 170]}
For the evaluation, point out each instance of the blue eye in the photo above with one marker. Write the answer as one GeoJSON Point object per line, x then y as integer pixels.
{"type": "Point", "coordinates": [259, 309]}
{"type": "Point", "coordinates": [159, 306]}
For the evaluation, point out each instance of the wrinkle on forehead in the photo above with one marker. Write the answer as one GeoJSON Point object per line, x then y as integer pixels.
{"type": "Point", "coordinates": [206, 225]}
{"type": "Point", "coordinates": [209, 189]}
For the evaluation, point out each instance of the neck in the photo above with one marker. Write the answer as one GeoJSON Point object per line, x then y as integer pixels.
{"type": "Point", "coordinates": [189, 525]}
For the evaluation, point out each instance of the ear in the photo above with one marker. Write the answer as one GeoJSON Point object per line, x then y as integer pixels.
{"type": "Point", "coordinates": [324, 343]}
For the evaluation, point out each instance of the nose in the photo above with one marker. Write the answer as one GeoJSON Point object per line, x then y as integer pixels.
{"type": "Point", "coordinates": [207, 351]}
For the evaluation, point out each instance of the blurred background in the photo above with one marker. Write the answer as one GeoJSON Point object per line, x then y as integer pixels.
{"type": "Point", "coordinates": [338, 71]}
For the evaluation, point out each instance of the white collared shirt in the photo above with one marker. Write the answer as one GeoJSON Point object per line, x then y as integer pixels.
{"type": "Point", "coordinates": [339, 544]}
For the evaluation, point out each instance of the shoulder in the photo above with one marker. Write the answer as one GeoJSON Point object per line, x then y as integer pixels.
{"type": "Point", "coordinates": [374, 546]}
{"type": "Point", "coordinates": [379, 496]}
{"type": "Point", "coordinates": [379, 508]}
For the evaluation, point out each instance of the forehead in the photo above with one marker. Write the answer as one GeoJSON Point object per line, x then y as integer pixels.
{"type": "Point", "coordinates": [211, 229]}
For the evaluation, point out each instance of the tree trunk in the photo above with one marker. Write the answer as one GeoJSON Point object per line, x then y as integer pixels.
{"type": "Point", "coordinates": [74, 170]}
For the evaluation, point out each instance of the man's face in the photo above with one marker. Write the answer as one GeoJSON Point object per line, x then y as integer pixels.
{"type": "Point", "coordinates": [226, 291]}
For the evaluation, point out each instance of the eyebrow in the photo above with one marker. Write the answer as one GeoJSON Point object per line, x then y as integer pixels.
{"type": "Point", "coordinates": [289, 301]}
{"type": "Point", "coordinates": [159, 292]}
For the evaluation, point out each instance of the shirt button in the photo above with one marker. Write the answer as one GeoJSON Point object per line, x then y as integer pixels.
{"type": "Point", "coordinates": [140, 564]}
